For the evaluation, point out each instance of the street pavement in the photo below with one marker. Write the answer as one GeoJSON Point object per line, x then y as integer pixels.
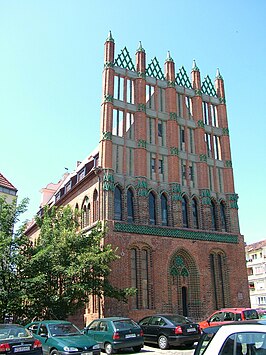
{"type": "Point", "coordinates": [154, 350]}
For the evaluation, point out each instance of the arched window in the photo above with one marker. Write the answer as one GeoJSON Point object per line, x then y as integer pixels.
{"type": "Point", "coordinates": [195, 213]}
{"type": "Point", "coordinates": [223, 217]}
{"type": "Point", "coordinates": [219, 280]}
{"type": "Point", "coordinates": [130, 206]}
{"type": "Point", "coordinates": [164, 210]}
{"type": "Point", "coordinates": [152, 208]}
{"type": "Point", "coordinates": [213, 215]}
{"type": "Point", "coordinates": [185, 212]}
{"type": "Point", "coordinates": [118, 204]}
{"type": "Point", "coordinates": [95, 206]}
{"type": "Point", "coordinates": [85, 219]}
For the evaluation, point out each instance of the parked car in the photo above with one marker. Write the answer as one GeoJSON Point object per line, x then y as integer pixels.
{"type": "Point", "coordinates": [261, 313]}
{"type": "Point", "coordinates": [227, 315]}
{"type": "Point", "coordinates": [115, 333]}
{"type": "Point", "coordinates": [15, 339]}
{"type": "Point", "coordinates": [236, 338]}
{"type": "Point", "coordinates": [62, 337]}
{"type": "Point", "coordinates": [169, 329]}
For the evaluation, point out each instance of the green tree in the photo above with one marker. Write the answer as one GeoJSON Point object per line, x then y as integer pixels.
{"type": "Point", "coordinates": [11, 243]}
{"type": "Point", "coordinates": [65, 266]}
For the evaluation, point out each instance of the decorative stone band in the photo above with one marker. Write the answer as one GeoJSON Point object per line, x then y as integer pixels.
{"type": "Point", "coordinates": [205, 197]}
{"type": "Point", "coordinates": [233, 198]}
{"type": "Point", "coordinates": [141, 75]}
{"type": "Point", "coordinates": [176, 192]}
{"type": "Point", "coordinates": [225, 131]}
{"type": "Point", "coordinates": [222, 100]}
{"type": "Point", "coordinates": [108, 65]}
{"type": "Point", "coordinates": [142, 143]}
{"type": "Point", "coordinates": [197, 92]}
{"type": "Point", "coordinates": [228, 164]}
{"type": "Point", "coordinates": [142, 107]}
{"type": "Point", "coordinates": [173, 116]}
{"type": "Point", "coordinates": [108, 98]}
{"type": "Point", "coordinates": [171, 84]}
{"type": "Point", "coordinates": [175, 233]}
{"type": "Point", "coordinates": [108, 181]}
{"type": "Point", "coordinates": [107, 136]}
{"type": "Point", "coordinates": [142, 187]}
{"type": "Point", "coordinates": [174, 151]}
{"type": "Point", "coordinates": [203, 157]}
{"type": "Point", "coordinates": [200, 124]}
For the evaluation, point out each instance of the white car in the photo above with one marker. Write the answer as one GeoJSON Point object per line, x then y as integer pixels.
{"type": "Point", "coordinates": [238, 338]}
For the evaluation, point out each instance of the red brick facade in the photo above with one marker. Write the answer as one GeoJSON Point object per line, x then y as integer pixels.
{"type": "Point", "coordinates": [163, 181]}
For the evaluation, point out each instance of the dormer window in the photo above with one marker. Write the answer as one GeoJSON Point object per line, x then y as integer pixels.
{"type": "Point", "coordinates": [81, 174]}
{"type": "Point", "coordinates": [68, 187]}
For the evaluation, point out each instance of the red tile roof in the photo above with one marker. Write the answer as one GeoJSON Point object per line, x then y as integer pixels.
{"type": "Point", "coordinates": [5, 183]}
{"type": "Point", "coordinates": [257, 245]}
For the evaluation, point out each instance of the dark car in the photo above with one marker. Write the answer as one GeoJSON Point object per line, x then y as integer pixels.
{"type": "Point", "coordinates": [15, 339]}
{"type": "Point", "coordinates": [115, 333]}
{"type": "Point", "coordinates": [169, 329]}
{"type": "Point", "coordinates": [62, 338]}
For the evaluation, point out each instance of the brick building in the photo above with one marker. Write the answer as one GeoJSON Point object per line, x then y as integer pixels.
{"type": "Point", "coordinates": [162, 179]}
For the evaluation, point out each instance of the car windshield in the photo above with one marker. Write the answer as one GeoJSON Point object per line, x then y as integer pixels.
{"type": "Point", "coordinates": [12, 331]}
{"type": "Point", "coordinates": [125, 324]}
{"type": "Point", "coordinates": [203, 343]}
{"type": "Point", "coordinates": [251, 314]}
{"type": "Point", "coordinates": [179, 319]}
{"type": "Point", "coordinates": [63, 329]}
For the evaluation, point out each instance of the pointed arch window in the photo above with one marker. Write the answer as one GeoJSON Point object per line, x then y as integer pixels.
{"type": "Point", "coordinates": [130, 206]}
{"type": "Point", "coordinates": [185, 212]}
{"type": "Point", "coordinates": [213, 216]}
{"type": "Point", "coordinates": [95, 206]}
{"type": "Point", "coordinates": [164, 210]}
{"type": "Point", "coordinates": [219, 280]}
{"type": "Point", "coordinates": [85, 213]}
{"type": "Point", "coordinates": [152, 208]}
{"type": "Point", "coordinates": [118, 204]}
{"type": "Point", "coordinates": [223, 217]}
{"type": "Point", "coordinates": [195, 213]}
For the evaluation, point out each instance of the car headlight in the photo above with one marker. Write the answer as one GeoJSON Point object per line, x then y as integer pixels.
{"type": "Point", "coordinates": [96, 346]}
{"type": "Point", "coordinates": [70, 348]}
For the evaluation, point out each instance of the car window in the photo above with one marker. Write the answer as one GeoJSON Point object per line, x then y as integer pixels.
{"type": "Point", "coordinates": [94, 325]}
{"type": "Point", "coordinates": [145, 321]}
{"type": "Point", "coordinates": [250, 314]}
{"type": "Point", "coordinates": [11, 331]}
{"type": "Point", "coordinates": [33, 328]}
{"type": "Point", "coordinates": [217, 317]}
{"type": "Point", "coordinates": [245, 343]}
{"type": "Point", "coordinates": [43, 330]}
{"type": "Point", "coordinates": [62, 329]}
{"type": "Point", "coordinates": [155, 321]}
{"type": "Point", "coordinates": [228, 316]}
{"type": "Point", "coordinates": [162, 322]}
{"type": "Point", "coordinates": [203, 343]}
{"type": "Point", "coordinates": [125, 324]}
{"type": "Point", "coordinates": [103, 326]}
{"type": "Point", "coordinates": [179, 319]}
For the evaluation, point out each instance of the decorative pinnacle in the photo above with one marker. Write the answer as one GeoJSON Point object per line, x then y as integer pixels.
{"type": "Point", "coordinates": [169, 58]}
{"type": "Point", "coordinates": [218, 75]}
{"type": "Point", "coordinates": [194, 66]}
{"type": "Point", "coordinates": [110, 38]}
{"type": "Point", "coordinates": [140, 49]}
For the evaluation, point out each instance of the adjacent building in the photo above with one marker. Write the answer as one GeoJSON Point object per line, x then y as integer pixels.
{"type": "Point", "coordinates": [256, 266]}
{"type": "Point", "coordinates": [7, 190]}
{"type": "Point", "coordinates": [162, 179]}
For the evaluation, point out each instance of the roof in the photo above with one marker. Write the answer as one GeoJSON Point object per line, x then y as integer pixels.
{"type": "Point", "coordinates": [256, 246]}
{"type": "Point", "coordinates": [5, 183]}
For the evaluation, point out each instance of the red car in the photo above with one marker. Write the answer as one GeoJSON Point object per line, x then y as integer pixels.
{"type": "Point", "coordinates": [227, 315]}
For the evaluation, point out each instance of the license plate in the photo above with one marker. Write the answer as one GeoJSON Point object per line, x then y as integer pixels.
{"type": "Point", "coordinates": [191, 330]}
{"type": "Point", "coordinates": [21, 348]}
{"type": "Point", "coordinates": [130, 336]}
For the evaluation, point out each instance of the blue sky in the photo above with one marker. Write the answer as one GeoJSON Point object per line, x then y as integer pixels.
{"type": "Point", "coordinates": [51, 62]}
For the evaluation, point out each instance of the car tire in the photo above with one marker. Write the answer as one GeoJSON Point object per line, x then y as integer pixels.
{"type": "Point", "coordinates": [137, 349]}
{"type": "Point", "coordinates": [163, 342]}
{"type": "Point", "coordinates": [54, 352]}
{"type": "Point", "coordinates": [108, 348]}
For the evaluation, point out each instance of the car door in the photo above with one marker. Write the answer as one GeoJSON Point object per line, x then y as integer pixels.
{"type": "Point", "coordinates": [42, 335]}
{"type": "Point", "coordinates": [152, 329]}
{"type": "Point", "coordinates": [216, 319]}
{"type": "Point", "coordinates": [92, 328]}
{"type": "Point", "coordinates": [98, 330]}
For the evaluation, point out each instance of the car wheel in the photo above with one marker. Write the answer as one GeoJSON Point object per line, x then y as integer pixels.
{"type": "Point", "coordinates": [137, 349]}
{"type": "Point", "coordinates": [54, 352]}
{"type": "Point", "coordinates": [108, 348]}
{"type": "Point", "coordinates": [163, 342]}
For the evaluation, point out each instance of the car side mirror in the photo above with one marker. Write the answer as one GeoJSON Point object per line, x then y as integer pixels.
{"type": "Point", "coordinates": [208, 321]}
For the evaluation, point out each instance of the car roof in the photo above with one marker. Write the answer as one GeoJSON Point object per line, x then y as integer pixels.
{"type": "Point", "coordinates": [51, 321]}
{"type": "Point", "coordinates": [237, 309]}
{"type": "Point", "coordinates": [113, 319]}
{"type": "Point", "coordinates": [253, 322]}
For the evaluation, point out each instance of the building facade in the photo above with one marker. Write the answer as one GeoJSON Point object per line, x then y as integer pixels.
{"type": "Point", "coordinates": [256, 266]}
{"type": "Point", "coordinates": [7, 190]}
{"type": "Point", "coordinates": [162, 180]}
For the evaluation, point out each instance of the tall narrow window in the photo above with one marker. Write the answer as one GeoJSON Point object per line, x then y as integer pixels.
{"type": "Point", "coordinates": [150, 96]}
{"type": "Point", "coordinates": [213, 216]}
{"type": "Point", "coordinates": [134, 277]}
{"type": "Point", "coordinates": [218, 273]}
{"type": "Point", "coordinates": [117, 123]}
{"type": "Point", "coordinates": [179, 99]}
{"type": "Point", "coordinates": [144, 279]}
{"type": "Point", "coordinates": [182, 138]}
{"type": "Point", "coordinates": [217, 148]}
{"type": "Point", "coordinates": [152, 208]}
{"type": "Point", "coordinates": [130, 125]}
{"type": "Point", "coordinates": [185, 212]}
{"type": "Point", "coordinates": [130, 206]}
{"type": "Point", "coordinates": [205, 112]}
{"type": "Point", "coordinates": [195, 213]}
{"type": "Point", "coordinates": [119, 87]}
{"type": "Point", "coordinates": [161, 99]}
{"type": "Point", "coordinates": [95, 206]}
{"type": "Point", "coordinates": [223, 217]}
{"type": "Point", "coordinates": [207, 138]}
{"type": "Point", "coordinates": [214, 115]}
{"type": "Point", "coordinates": [164, 209]}
{"type": "Point", "coordinates": [130, 91]}
{"type": "Point", "coordinates": [118, 204]}
{"type": "Point", "coordinates": [189, 106]}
